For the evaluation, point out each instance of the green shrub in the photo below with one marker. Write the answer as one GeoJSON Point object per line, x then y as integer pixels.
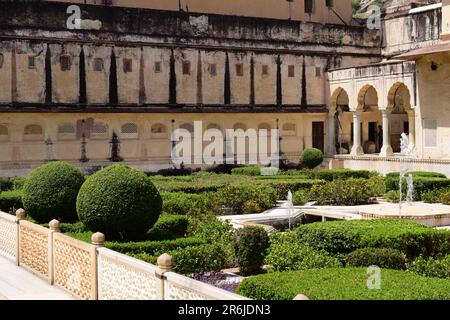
{"type": "Point", "coordinates": [376, 186]}
{"type": "Point", "coordinates": [431, 268]}
{"type": "Point", "coordinates": [250, 249]}
{"type": "Point", "coordinates": [251, 206]}
{"type": "Point", "coordinates": [119, 201]}
{"type": "Point", "coordinates": [283, 186]}
{"type": "Point", "coordinates": [169, 227]}
{"type": "Point", "coordinates": [339, 174]}
{"type": "Point", "coordinates": [199, 259]}
{"type": "Point", "coordinates": [343, 237]}
{"type": "Point", "coordinates": [82, 236]}
{"type": "Point", "coordinates": [433, 196]}
{"type": "Point", "coordinates": [348, 192]}
{"type": "Point", "coordinates": [10, 201]}
{"type": "Point", "coordinates": [154, 248]}
{"type": "Point", "coordinates": [18, 182]}
{"type": "Point", "coordinates": [423, 174]}
{"type": "Point", "coordinates": [393, 196]}
{"type": "Point", "coordinates": [295, 256]}
{"type": "Point", "coordinates": [300, 198]}
{"type": "Point", "coordinates": [50, 192]}
{"type": "Point", "coordinates": [77, 227]}
{"type": "Point", "coordinates": [381, 257]}
{"type": "Point", "coordinates": [421, 184]}
{"type": "Point", "coordinates": [209, 229]}
{"type": "Point", "coordinates": [178, 202]}
{"type": "Point", "coordinates": [445, 198]}
{"type": "Point", "coordinates": [344, 284]}
{"type": "Point", "coordinates": [311, 158]}
{"type": "Point", "coordinates": [6, 184]}
{"type": "Point", "coordinates": [247, 171]}
{"type": "Point", "coordinates": [231, 199]}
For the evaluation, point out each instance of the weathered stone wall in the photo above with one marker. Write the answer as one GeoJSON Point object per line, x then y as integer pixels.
{"type": "Point", "coordinates": [147, 67]}
{"type": "Point", "coordinates": [404, 31]}
{"type": "Point", "coordinates": [278, 9]}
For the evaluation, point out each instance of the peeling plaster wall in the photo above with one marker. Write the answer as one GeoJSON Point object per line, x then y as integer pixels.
{"type": "Point", "coordinates": [411, 31]}
{"type": "Point", "coordinates": [97, 81]}
{"type": "Point", "coordinates": [65, 87]}
{"type": "Point", "coordinates": [30, 79]}
{"type": "Point", "coordinates": [5, 72]}
{"type": "Point", "coordinates": [265, 84]}
{"type": "Point", "coordinates": [128, 82]}
{"type": "Point", "coordinates": [186, 83]}
{"type": "Point", "coordinates": [213, 85]}
{"type": "Point", "coordinates": [240, 85]}
{"type": "Point", "coordinates": [291, 85]}
{"type": "Point", "coordinates": [157, 82]}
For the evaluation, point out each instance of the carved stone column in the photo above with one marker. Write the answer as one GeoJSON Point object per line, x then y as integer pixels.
{"type": "Point", "coordinates": [386, 150]}
{"type": "Point", "coordinates": [357, 149]}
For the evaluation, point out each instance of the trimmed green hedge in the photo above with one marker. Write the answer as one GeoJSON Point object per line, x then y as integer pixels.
{"type": "Point", "coordinates": [439, 268]}
{"type": "Point", "coordinates": [423, 174]}
{"type": "Point", "coordinates": [6, 184]}
{"type": "Point", "coordinates": [285, 256]}
{"type": "Point", "coordinates": [247, 171]}
{"type": "Point", "coordinates": [283, 186]}
{"type": "Point", "coordinates": [348, 192]}
{"type": "Point", "coordinates": [234, 199]}
{"type": "Point", "coordinates": [434, 196]}
{"type": "Point", "coordinates": [199, 259]}
{"type": "Point", "coordinates": [380, 257]}
{"type": "Point", "coordinates": [300, 198]}
{"type": "Point", "coordinates": [50, 192]}
{"type": "Point", "coordinates": [421, 184]}
{"type": "Point", "coordinates": [18, 182]}
{"type": "Point", "coordinates": [153, 247]}
{"type": "Point", "coordinates": [11, 201]}
{"type": "Point", "coordinates": [340, 174]}
{"type": "Point", "coordinates": [179, 202]}
{"type": "Point", "coordinates": [250, 249]}
{"type": "Point", "coordinates": [192, 260]}
{"type": "Point", "coordinates": [169, 227]}
{"type": "Point", "coordinates": [342, 237]}
{"type": "Point", "coordinates": [311, 158]}
{"type": "Point", "coordinates": [344, 284]}
{"type": "Point", "coordinates": [119, 201]}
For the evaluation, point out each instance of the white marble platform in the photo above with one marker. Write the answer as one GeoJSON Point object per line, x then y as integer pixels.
{"type": "Point", "coordinates": [18, 284]}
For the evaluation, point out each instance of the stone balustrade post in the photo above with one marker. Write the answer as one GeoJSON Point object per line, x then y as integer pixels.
{"type": "Point", "coordinates": [165, 263]}
{"type": "Point", "coordinates": [54, 228]}
{"type": "Point", "coordinates": [98, 241]}
{"type": "Point", "coordinates": [20, 215]}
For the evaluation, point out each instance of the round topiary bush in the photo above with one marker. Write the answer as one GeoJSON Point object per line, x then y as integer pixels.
{"type": "Point", "coordinates": [381, 257]}
{"type": "Point", "coordinates": [50, 192]}
{"type": "Point", "coordinates": [311, 158]}
{"type": "Point", "coordinates": [251, 244]}
{"type": "Point", "coordinates": [119, 201]}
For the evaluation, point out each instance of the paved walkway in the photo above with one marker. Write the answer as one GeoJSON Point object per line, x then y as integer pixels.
{"type": "Point", "coordinates": [18, 284]}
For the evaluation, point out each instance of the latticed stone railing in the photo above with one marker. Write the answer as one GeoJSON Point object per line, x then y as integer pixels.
{"type": "Point", "coordinates": [91, 272]}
